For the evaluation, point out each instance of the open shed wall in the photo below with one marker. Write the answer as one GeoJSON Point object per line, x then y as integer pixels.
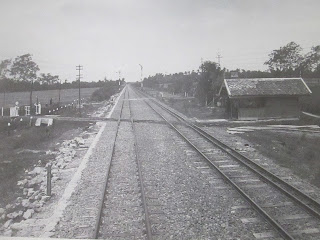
{"type": "Point", "coordinates": [273, 108]}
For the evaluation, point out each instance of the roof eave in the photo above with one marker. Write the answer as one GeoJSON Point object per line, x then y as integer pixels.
{"type": "Point", "coordinates": [268, 96]}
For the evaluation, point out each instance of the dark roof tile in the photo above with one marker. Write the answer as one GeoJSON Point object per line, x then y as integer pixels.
{"type": "Point", "coordinates": [266, 87]}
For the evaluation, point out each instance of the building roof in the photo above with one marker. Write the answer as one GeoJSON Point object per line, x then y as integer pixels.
{"type": "Point", "coordinates": [249, 87]}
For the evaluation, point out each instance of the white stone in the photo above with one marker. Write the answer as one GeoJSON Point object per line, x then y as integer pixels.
{"type": "Point", "coordinates": [19, 199]}
{"type": "Point", "coordinates": [8, 206]}
{"type": "Point", "coordinates": [25, 191]}
{"type": "Point", "coordinates": [36, 170]}
{"type": "Point", "coordinates": [79, 140]}
{"type": "Point", "coordinates": [7, 223]}
{"type": "Point", "coordinates": [30, 191]}
{"type": "Point", "coordinates": [12, 215]}
{"type": "Point", "coordinates": [2, 211]}
{"type": "Point", "coordinates": [25, 203]}
{"type": "Point", "coordinates": [16, 226]}
{"type": "Point", "coordinates": [22, 182]}
{"type": "Point", "coordinates": [36, 204]}
{"type": "Point", "coordinates": [36, 180]}
{"type": "Point", "coordinates": [7, 233]}
{"type": "Point", "coordinates": [38, 197]}
{"type": "Point", "coordinates": [28, 214]}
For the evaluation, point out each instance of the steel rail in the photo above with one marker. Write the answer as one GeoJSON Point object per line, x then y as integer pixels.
{"type": "Point", "coordinates": [143, 195]}
{"type": "Point", "coordinates": [99, 217]}
{"type": "Point", "coordinates": [270, 178]}
{"type": "Point", "coordinates": [263, 213]}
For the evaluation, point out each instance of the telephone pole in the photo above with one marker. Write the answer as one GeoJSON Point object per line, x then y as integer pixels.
{"type": "Point", "coordinates": [79, 68]}
{"type": "Point", "coordinates": [119, 72]}
{"type": "Point", "coordinates": [59, 90]}
{"type": "Point", "coordinates": [219, 57]}
{"type": "Point", "coordinates": [141, 68]}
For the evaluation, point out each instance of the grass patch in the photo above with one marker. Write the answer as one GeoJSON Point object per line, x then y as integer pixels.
{"type": "Point", "coordinates": [297, 151]}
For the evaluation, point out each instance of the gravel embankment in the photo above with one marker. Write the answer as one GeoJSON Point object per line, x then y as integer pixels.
{"type": "Point", "coordinates": [123, 215]}
{"type": "Point", "coordinates": [185, 198]}
{"type": "Point", "coordinates": [80, 216]}
{"type": "Point", "coordinates": [116, 110]}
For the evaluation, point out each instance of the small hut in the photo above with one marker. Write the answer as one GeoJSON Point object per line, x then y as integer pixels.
{"type": "Point", "coordinates": [262, 98]}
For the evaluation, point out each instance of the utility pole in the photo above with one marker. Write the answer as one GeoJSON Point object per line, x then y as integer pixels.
{"type": "Point", "coordinates": [79, 68]}
{"type": "Point", "coordinates": [141, 68]}
{"type": "Point", "coordinates": [141, 71]}
{"type": "Point", "coordinates": [59, 90]}
{"type": "Point", "coordinates": [119, 72]}
{"type": "Point", "coordinates": [201, 65]}
{"type": "Point", "coordinates": [219, 57]}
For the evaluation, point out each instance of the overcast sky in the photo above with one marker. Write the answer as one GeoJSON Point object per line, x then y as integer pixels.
{"type": "Point", "coordinates": [164, 36]}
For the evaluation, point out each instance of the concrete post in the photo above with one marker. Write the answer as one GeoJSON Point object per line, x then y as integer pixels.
{"type": "Point", "coordinates": [49, 180]}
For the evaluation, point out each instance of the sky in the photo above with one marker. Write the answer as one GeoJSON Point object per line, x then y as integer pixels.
{"type": "Point", "coordinates": [164, 36]}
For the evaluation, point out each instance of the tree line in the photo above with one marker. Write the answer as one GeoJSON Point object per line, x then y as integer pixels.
{"type": "Point", "coordinates": [204, 84]}
{"type": "Point", "coordinates": [22, 74]}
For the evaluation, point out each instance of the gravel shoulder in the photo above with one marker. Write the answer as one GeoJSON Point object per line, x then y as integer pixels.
{"type": "Point", "coordinates": [80, 216]}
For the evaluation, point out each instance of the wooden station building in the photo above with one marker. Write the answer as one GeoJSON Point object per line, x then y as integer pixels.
{"type": "Point", "coordinates": [262, 98]}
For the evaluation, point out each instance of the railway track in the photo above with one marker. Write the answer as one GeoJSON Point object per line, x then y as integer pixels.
{"type": "Point", "coordinates": [123, 212]}
{"type": "Point", "coordinates": [292, 213]}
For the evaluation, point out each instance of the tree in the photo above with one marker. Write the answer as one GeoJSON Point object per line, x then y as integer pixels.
{"type": "Point", "coordinates": [24, 69]}
{"type": "Point", "coordinates": [4, 70]}
{"type": "Point", "coordinates": [48, 79]}
{"type": "Point", "coordinates": [211, 78]}
{"type": "Point", "coordinates": [286, 61]}
{"type": "Point", "coordinates": [312, 59]}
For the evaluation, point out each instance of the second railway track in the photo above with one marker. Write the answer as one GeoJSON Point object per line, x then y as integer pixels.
{"type": "Point", "coordinates": [293, 214]}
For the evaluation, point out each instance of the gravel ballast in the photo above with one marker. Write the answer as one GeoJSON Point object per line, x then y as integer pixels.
{"type": "Point", "coordinates": [123, 215]}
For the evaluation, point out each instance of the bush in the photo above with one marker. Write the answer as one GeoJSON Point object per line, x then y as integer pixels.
{"type": "Point", "coordinates": [104, 93]}
{"type": "Point", "coordinates": [311, 103]}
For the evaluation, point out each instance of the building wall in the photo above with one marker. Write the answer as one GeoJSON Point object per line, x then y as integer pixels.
{"type": "Point", "coordinates": [273, 108]}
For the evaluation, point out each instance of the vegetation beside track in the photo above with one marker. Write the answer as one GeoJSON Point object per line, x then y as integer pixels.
{"type": "Point", "coordinates": [105, 92]}
{"type": "Point", "coordinates": [298, 151]}
{"type": "Point", "coordinates": [25, 147]}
